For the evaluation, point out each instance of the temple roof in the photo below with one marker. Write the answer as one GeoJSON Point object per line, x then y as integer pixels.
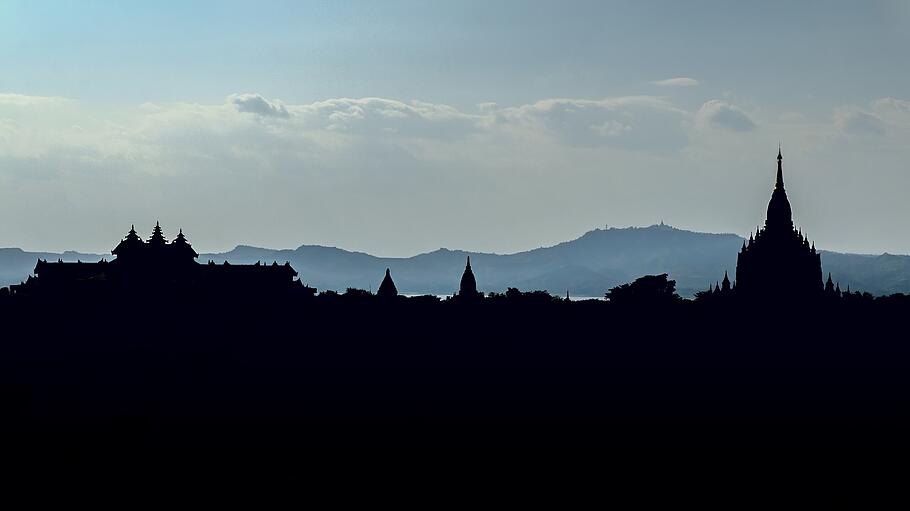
{"type": "Point", "coordinates": [780, 215]}
{"type": "Point", "coordinates": [387, 288]}
{"type": "Point", "coordinates": [468, 283]}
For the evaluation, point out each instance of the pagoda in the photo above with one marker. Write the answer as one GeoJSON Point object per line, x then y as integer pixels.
{"type": "Point", "coordinates": [778, 261]}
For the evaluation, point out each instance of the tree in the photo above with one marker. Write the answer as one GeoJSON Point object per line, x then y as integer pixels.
{"type": "Point", "coordinates": [647, 290]}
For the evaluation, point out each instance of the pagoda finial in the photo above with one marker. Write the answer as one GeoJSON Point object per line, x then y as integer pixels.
{"type": "Point", "coordinates": [780, 170]}
{"type": "Point", "coordinates": [469, 262]}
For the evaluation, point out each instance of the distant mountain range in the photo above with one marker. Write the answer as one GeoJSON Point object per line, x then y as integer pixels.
{"type": "Point", "coordinates": [587, 266]}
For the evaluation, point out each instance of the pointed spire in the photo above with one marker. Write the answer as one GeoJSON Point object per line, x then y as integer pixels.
{"type": "Point", "coordinates": [183, 247]}
{"type": "Point", "coordinates": [780, 171]}
{"type": "Point", "coordinates": [130, 244]}
{"type": "Point", "coordinates": [387, 288]}
{"type": "Point", "coordinates": [468, 286]}
{"type": "Point", "coordinates": [132, 234]}
{"type": "Point", "coordinates": [157, 237]}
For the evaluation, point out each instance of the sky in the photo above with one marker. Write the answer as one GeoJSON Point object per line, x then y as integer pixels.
{"type": "Point", "coordinates": [398, 127]}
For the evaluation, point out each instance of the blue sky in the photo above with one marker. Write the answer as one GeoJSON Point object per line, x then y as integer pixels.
{"type": "Point", "coordinates": [399, 127]}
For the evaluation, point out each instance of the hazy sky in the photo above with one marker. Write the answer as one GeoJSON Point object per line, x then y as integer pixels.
{"type": "Point", "coordinates": [401, 127]}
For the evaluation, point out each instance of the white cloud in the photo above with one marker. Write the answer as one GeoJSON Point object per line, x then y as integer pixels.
{"type": "Point", "coordinates": [385, 117]}
{"type": "Point", "coordinates": [892, 110]}
{"type": "Point", "coordinates": [23, 100]}
{"type": "Point", "coordinates": [642, 123]}
{"type": "Point", "coordinates": [858, 122]}
{"type": "Point", "coordinates": [256, 104]}
{"type": "Point", "coordinates": [720, 114]}
{"type": "Point", "coordinates": [392, 168]}
{"type": "Point", "coordinates": [677, 82]}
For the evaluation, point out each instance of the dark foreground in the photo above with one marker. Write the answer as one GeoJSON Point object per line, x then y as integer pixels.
{"type": "Point", "coordinates": [125, 374]}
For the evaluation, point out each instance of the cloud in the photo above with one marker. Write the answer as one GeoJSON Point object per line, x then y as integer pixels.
{"type": "Point", "coordinates": [723, 115]}
{"type": "Point", "coordinates": [641, 123]}
{"type": "Point", "coordinates": [256, 104]}
{"type": "Point", "coordinates": [895, 112]}
{"type": "Point", "coordinates": [892, 104]}
{"type": "Point", "coordinates": [22, 100]}
{"type": "Point", "coordinates": [677, 82]}
{"type": "Point", "coordinates": [393, 167]}
{"type": "Point", "coordinates": [386, 117]}
{"type": "Point", "coordinates": [857, 122]}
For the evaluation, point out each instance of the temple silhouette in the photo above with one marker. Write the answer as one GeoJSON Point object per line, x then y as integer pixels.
{"type": "Point", "coordinates": [157, 265]}
{"type": "Point", "coordinates": [467, 289]}
{"type": "Point", "coordinates": [155, 350]}
{"type": "Point", "coordinates": [387, 289]}
{"type": "Point", "coordinates": [778, 260]}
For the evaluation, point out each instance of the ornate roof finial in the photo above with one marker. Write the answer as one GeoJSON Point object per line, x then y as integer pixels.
{"type": "Point", "coordinates": [780, 171]}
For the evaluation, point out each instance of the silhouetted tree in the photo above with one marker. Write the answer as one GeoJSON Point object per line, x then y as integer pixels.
{"type": "Point", "coordinates": [353, 293]}
{"type": "Point", "coordinates": [650, 289]}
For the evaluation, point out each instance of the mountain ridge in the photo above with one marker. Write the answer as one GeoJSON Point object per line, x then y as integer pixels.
{"type": "Point", "coordinates": [585, 266]}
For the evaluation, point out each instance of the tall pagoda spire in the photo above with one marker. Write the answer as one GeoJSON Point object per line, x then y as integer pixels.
{"type": "Point", "coordinates": [780, 216]}
{"type": "Point", "coordinates": [468, 287]}
{"type": "Point", "coordinates": [780, 170]}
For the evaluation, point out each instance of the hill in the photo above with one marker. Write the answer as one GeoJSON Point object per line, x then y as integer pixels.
{"type": "Point", "coordinates": [586, 266]}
